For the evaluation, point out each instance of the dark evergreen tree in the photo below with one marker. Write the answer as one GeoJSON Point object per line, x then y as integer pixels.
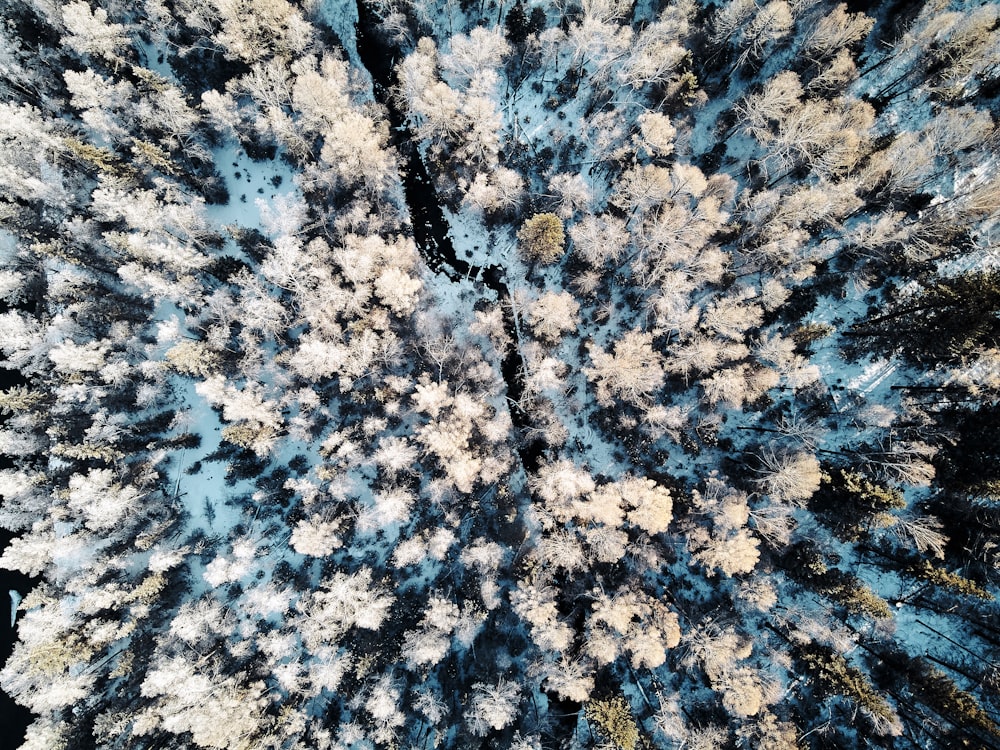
{"type": "Point", "coordinates": [536, 21]}
{"type": "Point", "coordinates": [950, 318]}
{"type": "Point", "coordinates": [851, 504]}
{"type": "Point", "coordinates": [969, 462]}
{"type": "Point", "coordinates": [516, 25]}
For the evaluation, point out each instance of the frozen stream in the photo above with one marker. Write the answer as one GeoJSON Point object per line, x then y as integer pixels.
{"type": "Point", "coordinates": [430, 228]}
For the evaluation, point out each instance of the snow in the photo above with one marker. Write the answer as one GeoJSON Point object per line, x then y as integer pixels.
{"type": "Point", "coordinates": [247, 182]}
{"type": "Point", "coordinates": [342, 17]}
{"type": "Point", "coordinates": [701, 138]}
{"type": "Point", "coordinates": [872, 377]}
{"type": "Point", "coordinates": [155, 59]}
{"type": "Point", "coordinates": [476, 244]}
{"type": "Point", "coordinates": [204, 493]}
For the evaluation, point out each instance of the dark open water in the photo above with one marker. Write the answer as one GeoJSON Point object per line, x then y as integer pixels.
{"type": "Point", "coordinates": [13, 718]}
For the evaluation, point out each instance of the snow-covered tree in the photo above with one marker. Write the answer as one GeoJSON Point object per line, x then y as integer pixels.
{"type": "Point", "coordinates": [632, 373]}
{"type": "Point", "coordinates": [599, 238]}
{"type": "Point", "coordinates": [316, 537]}
{"type": "Point", "coordinates": [90, 32]}
{"type": "Point", "coordinates": [253, 29]}
{"type": "Point", "coordinates": [837, 31]}
{"type": "Point", "coordinates": [492, 706]}
{"type": "Point", "coordinates": [552, 315]}
{"type": "Point", "coordinates": [100, 500]}
{"type": "Point", "coordinates": [789, 477]}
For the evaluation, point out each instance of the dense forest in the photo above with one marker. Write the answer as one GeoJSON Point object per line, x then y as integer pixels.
{"type": "Point", "coordinates": [501, 373]}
